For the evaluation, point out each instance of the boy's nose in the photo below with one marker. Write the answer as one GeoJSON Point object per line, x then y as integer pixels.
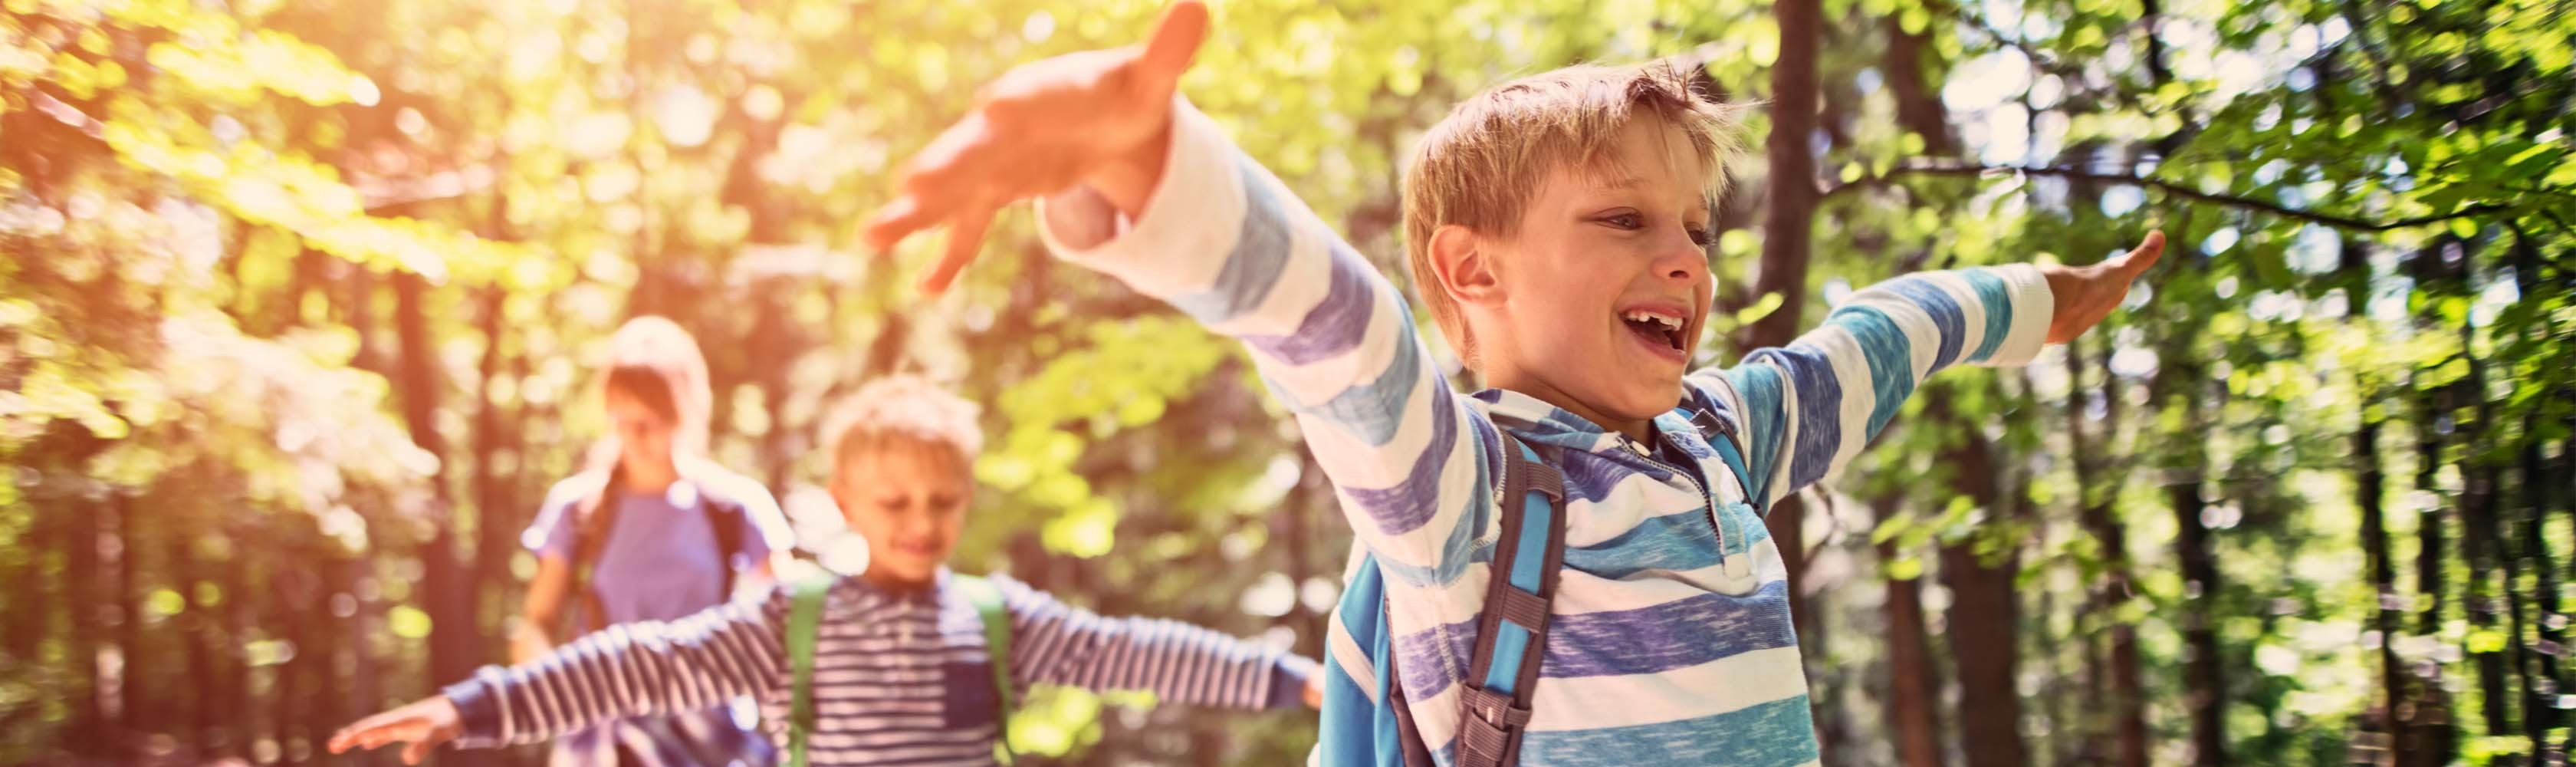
{"type": "Point", "coordinates": [1684, 263]}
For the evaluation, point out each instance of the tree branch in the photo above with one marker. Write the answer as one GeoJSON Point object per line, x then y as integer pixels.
{"type": "Point", "coordinates": [2169, 187]}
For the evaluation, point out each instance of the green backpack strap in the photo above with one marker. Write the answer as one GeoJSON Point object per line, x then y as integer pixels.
{"type": "Point", "coordinates": [808, 585]}
{"type": "Point", "coordinates": [997, 643]}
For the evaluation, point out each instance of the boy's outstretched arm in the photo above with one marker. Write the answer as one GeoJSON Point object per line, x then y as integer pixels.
{"type": "Point", "coordinates": [1055, 643]}
{"type": "Point", "coordinates": [626, 670]}
{"type": "Point", "coordinates": [1806, 409]}
{"type": "Point", "coordinates": [1146, 189]}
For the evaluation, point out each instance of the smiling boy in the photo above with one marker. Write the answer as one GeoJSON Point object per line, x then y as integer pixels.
{"type": "Point", "coordinates": [1557, 226]}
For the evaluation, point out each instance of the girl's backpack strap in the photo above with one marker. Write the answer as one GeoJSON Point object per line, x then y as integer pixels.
{"type": "Point", "coordinates": [997, 643]}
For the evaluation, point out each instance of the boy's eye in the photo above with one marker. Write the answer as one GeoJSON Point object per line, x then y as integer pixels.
{"type": "Point", "coordinates": [1701, 236]}
{"type": "Point", "coordinates": [1624, 220]}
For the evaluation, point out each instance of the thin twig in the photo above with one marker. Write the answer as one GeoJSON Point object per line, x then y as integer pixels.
{"type": "Point", "coordinates": [2170, 187]}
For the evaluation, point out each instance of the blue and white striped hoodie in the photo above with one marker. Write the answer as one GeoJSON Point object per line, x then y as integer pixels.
{"type": "Point", "coordinates": [1670, 640]}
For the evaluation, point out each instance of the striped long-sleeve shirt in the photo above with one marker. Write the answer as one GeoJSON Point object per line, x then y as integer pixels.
{"type": "Point", "coordinates": [899, 678]}
{"type": "Point", "coordinates": [1670, 640]}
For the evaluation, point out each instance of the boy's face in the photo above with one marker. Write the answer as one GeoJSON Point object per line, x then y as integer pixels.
{"type": "Point", "coordinates": [908, 499]}
{"type": "Point", "coordinates": [1601, 295]}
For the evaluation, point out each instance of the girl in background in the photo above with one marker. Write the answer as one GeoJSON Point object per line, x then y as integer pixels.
{"type": "Point", "coordinates": [649, 531]}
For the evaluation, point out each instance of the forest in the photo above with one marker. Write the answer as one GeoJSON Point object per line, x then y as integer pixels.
{"type": "Point", "coordinates": [303, 301]}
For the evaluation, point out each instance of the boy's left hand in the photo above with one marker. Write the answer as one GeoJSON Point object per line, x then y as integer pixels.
{"type": "Point", "coordinates": [2086, 294]}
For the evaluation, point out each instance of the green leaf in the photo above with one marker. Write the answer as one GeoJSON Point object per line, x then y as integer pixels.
{"type": "Point", "coordinates": [1905, 568]}
{"type": "Point", "coordinates": [1761, 307]}
{"type": "Point", "coordinates": [2484, 641]}
{"type": "Point", "coordinates": [407, 622]}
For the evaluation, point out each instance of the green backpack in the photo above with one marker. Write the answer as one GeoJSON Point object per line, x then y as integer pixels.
{"type": "Point", "coordinates": [809, 585]}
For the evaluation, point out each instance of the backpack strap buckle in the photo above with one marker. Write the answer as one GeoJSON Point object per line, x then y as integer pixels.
{"type": "Point", "coordinates": [1493, 720]}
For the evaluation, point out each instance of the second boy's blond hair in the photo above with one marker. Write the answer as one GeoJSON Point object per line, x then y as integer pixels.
{"type": "Point", "coordinates": [901, 408]}
{"type": "Point", "coordinates": [1480, 166]}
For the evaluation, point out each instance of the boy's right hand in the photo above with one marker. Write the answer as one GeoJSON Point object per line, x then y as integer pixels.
{"type": "Point", "coordinates": [424, 724]}
{"type": "Point", "coordinates": [1097, 118]}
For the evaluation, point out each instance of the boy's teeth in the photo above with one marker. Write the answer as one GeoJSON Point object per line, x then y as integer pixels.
{"type": "Point", "coordinates": [1669, 323]}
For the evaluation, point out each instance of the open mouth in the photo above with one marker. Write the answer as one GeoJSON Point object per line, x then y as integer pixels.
{"type": "Point", "coordinates": [1656, 328]}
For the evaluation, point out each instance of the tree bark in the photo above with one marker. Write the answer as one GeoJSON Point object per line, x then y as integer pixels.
{"type": "Point", "coordinates": [81, 605]}
{"type": "Point", "coordinates": [446, 593]}
{"type": "Point", "coordinates": [1914, 685]}
{"type": "Point", "coordinates": [2539, 665]}
{"type": "Point", "coordinates": [2123, 700]}
{"type": "Point", "coordinates": [2426, 735]}
{"type": "Point", "coordinates": [130, 707]}
{"type": "Point", "coordinates": [2369, 492]}
{"type": "Point", "coordinates": [497, 515]}
{"type": "Point", "coordinates": [1984, 613]}
{"type": "Point", "coordinates": [2482, 549]}
{"type": "Point", "coordinates": [1787, 233]}
{"type": "Point", "coordinates": [2179, 384]}
{"type": "Point", "coordinates": [190, 626]}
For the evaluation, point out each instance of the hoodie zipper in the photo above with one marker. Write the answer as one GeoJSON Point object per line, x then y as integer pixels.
{"type": "Point", "coordinates": [1714, 526]}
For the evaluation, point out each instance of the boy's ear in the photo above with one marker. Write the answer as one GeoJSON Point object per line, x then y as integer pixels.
{"type": "Point", "coordinates": [1463, 265]}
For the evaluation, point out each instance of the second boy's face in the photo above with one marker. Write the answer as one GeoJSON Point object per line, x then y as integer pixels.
{"type": "Point", "coordinates": [1606, 285]}
{"type": "Point", "coordinates": [908, 500]}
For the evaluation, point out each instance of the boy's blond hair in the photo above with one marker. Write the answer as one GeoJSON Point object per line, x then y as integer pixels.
{"type": "Point", "coordinates": [1480, 166]}
{"type": "Point", "coordinates": [901, 408]}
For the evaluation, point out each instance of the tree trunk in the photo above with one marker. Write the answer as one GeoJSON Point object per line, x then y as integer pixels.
{"type": "Point", "coordinates": [2482, 549]}
{"type": "Point", "coordinates": [191, 627]}
{"type": "Point", "coordinates": [446, 592]}
{"type": "Point", "coordinates": [358, 632]}
{"type": "Point", "coordinates": [2370, 492]}
{"type": "Point", "coordinates": [1786, 233]}
{"type": "Point", "coordinates": [2539, 665]}
{"type": "Point", "coordinates": [233, 578]}
{"type": "Point", "coordinates": [1914, 685]}
{"type": "Point", "coordinates": [496, 517]}
{"type": "Point", "coordinates": [2179, 384]}
{"type": "Point", "coordinates": [291, 602]}
{"type": "Point", "coordinates": [1984, 615]}
{"type": "Point", "coordinates": [129, 706]}
{"type": "Point", "coordinates": [81, 605]}
{"type": "Point", "coordinates": [2122, 702]}
{"type": "Point", "coordinates": [2426, 733]}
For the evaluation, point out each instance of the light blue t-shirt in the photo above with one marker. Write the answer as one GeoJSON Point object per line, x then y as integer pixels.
{"type": "Point", "coordinates": [662, 560]}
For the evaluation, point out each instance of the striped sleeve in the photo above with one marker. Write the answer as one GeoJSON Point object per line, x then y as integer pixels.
{"type": "Point", "coordinates": [630, 669]}
{"type": "Point", "coordinates": [1806, 409]}
{"type": "Point", "coordinates": [1222, 240]}
{"type": "Point", "coordinates": [1055, 643]}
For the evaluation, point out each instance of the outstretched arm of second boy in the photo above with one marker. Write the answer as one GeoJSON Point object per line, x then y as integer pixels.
{"type": "Point", "coordinates": [633, 669]}
{"type": "Point", "coordinates": [1056, 643]}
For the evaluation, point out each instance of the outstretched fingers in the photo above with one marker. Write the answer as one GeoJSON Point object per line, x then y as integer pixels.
{"type": "Point", "coordinates": [965, 239]}
{"type": "Point", "coordinates": [1176, 40]}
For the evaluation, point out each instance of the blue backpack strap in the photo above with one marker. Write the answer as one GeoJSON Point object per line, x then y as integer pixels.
{"type": "Point", "coordinates": [1720, 434]}
{"type": "Point", "coordinates": [1511, 635]}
